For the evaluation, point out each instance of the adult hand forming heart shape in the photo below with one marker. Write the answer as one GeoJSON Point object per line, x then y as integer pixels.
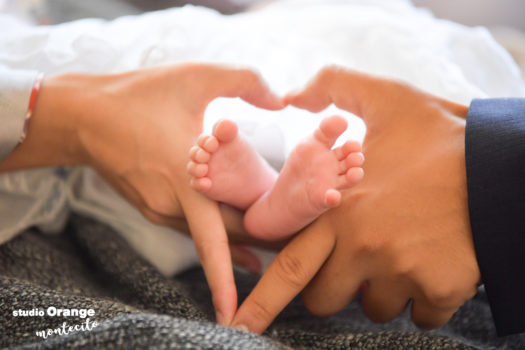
{"type": "Point", "coordinates": [135, 129]}
{"type": "Point", "coordinates": [402, 234]}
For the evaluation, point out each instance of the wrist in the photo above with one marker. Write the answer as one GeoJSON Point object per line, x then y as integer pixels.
{"type": "Point", "coordinates": [55, 122]}
{"type": "Point", "coordinates": [67, 106]}
{"type": "Point", "coordinates": [51, 137]}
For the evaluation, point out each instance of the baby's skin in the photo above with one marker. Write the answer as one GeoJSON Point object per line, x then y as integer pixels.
{"type": "Point", "coordinates": [227, 169]}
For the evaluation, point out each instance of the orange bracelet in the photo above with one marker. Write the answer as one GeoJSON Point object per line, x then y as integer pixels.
{"type": "Point", "coordinates": [32, 102]}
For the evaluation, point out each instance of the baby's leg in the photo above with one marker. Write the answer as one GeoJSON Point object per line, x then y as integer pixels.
{"type": "Point", "coordinates": [227, 169]}
{"type": "Point", "coordinates": [308, 183]}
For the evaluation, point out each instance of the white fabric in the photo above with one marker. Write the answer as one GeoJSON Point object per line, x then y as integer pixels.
{"type": "Point", "coordinates": [288, 42]}
{"type": "Point", "coordinates": [15, 89]}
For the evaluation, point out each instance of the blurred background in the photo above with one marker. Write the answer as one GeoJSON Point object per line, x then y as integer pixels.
{"type": "Point", "coordinates": [491, 13]}
{"type": "Point", "coordinates": [504, 18]}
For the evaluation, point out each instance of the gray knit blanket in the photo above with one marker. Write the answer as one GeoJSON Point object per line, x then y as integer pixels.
{"type": "Point", "coordinates": [86, 288]}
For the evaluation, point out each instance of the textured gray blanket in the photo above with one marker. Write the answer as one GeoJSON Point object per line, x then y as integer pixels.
{"type": "Point", "coordinates": [89, 266]}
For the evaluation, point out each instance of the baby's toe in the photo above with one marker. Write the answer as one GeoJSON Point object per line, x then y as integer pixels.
{"type": "Point", "coordinates": [202, 139]}
{"type": "Point", "coordinates": [348, 147]}
{"type": "Point", "coordinates": [330, 129]}
{"type": "Point", "coordinates": [332, 198]}
{"type": "Point", "coordinates": [350, 178]}
{"type": "Point", "coordinates": [202, 156]}
{"type": "Point", "coordinates": [225, 130]}
{"type": "Point", "coordinates": [199, 155]}
{"type": "Point", "coordinates": [202, 184]}
{"type": "Point", "coordinates": [211, 145]}
{"type": "Point", "coordinates": [208, 143]}
{"type": "Point", "coordinates": [193, 152]}
{"type": "Point", "coordinates": [196, 169]}
{"type": "Point", "coordinates": [353, 160]}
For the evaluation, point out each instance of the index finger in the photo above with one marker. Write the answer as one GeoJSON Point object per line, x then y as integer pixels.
{"type": "Point", "coordinates": [286, 277]}
{"type": "Point", "coordinates": [211, 242]}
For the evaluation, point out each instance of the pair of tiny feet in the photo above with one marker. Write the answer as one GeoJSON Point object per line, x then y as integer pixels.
{"type": "Point", "coordinates": [227, 169]}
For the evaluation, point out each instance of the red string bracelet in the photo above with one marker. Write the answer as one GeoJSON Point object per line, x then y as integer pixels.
{"type": "Point", "coordinates": [32, 102]}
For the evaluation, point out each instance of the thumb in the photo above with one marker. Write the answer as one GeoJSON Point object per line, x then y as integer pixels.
{"type": "Point", "coordinates": [243, 83]}
{"type": "Point", "coordinates": [349, 90]}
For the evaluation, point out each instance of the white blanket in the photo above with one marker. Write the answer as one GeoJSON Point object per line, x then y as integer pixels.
{"type": "Point", "coordinates": [288, 42]}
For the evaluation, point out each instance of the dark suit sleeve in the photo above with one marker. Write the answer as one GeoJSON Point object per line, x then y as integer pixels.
{"type": "Point", "coordinates": [495, 161]}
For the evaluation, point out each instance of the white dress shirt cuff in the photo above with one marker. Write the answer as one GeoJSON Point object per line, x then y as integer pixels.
{"type": "Point", "coordinates": [15, 91]}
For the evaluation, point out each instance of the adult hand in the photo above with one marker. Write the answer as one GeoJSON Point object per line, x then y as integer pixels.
{"type": "Point", "coordinates": [402, 234]}
{"type": "Point", "coordinates": [136, 130]}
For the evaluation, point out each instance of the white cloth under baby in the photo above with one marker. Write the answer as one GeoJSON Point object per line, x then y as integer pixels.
{"type": "Point", "coordinates": [287, 42]}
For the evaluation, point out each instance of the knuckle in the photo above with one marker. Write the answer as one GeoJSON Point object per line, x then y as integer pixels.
{"type": "Point", "coordinates": [328, 72]}
{"type": "Point", "coordinates": [291, 270]}
{"type": "Point", "coordinates": [250, 76]}
{"type": "Point", "coordinates": [443, 296]}
{"type": "Point", "coordinates": [404, 266]}
{"type": "Point", "coordinates": [206, 248]}
{"type": "Point", "coordinates": [259, 311]}
{"type": "Point", "coordinates": [371, 244]}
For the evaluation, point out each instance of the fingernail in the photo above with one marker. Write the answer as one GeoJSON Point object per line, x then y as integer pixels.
{"type": "Point", "coordinates": [219, 318]}
{"type": "Point", "coordinates": [241, 327]}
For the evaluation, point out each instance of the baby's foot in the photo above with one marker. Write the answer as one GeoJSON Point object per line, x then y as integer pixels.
{"type": "Point", "coordinates": [308, 184]}
{"type": "Point", "coordinates": [227, 169]}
